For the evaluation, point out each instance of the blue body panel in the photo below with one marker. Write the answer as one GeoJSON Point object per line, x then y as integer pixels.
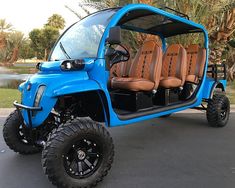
{"type": "Point", "coordinates": [58, 83]}
{"type": "Point", "coordinates": [95, 77]}
{"type": "Point", "coordinates": [209, 85]}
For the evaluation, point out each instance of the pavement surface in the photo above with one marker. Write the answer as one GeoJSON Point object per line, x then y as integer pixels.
{"type": "Point", "coordinates": [180, 151]}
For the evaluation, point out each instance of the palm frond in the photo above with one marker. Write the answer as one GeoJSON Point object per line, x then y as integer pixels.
{"type": "Point", "coordinates": [97, 5]}
{"type": "Point", "coordinates": [74, 12]}
{"type": "Point", "coordinates": [84, 8]}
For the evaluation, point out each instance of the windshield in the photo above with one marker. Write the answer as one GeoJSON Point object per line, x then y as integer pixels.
{"type": "Point", "coordinates": [82, 39]}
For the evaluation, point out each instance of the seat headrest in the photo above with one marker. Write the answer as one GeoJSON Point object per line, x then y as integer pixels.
{"type": "Point", "coordinates": [149, 45]}
{"type": "Point", "coordinates": [193, 48]}
{"type": "Point", "coordinates": [174, 48]}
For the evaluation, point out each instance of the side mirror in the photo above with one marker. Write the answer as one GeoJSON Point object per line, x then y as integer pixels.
{"type": "Point", "coordinates": [114, 35]}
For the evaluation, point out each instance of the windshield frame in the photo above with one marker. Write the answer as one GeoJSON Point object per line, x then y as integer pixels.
{"type": "Point", "coordinates": [66, 30]}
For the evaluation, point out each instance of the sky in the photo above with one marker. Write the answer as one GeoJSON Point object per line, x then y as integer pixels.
{"type": "Point", "coordinates": [25, 15]}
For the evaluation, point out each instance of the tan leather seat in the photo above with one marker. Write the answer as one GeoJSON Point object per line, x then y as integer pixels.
{"type": "Point", "coordinates": [120, 69]}
{"type": "Point", "coordinates": [145, 70]}
{"type": "Point", "coordinates": [196, 59]}
{"type": "Point", "coordinates": [174, 67]}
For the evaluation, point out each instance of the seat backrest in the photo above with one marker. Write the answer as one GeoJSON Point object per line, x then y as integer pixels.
{"type": "Point", "coordinates": [196, 59]}
{"type": "Point", "coordinates": [117, 70]}
{"type": "Point", "coordinates": [175, 62]}
{"type": "Point", "coordinates": [148, 62]}
{"type": "Point", "coordinates": [122, 68]}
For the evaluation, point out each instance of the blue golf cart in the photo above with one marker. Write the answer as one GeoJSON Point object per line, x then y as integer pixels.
{"type": "Point", "coordinates": [94, 79]}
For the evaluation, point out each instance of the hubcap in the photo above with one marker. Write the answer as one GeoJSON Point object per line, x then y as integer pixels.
{"type": "Point", "coordinates": [81, 155]}
{"type": "Point", "coordinates": [82, 159]}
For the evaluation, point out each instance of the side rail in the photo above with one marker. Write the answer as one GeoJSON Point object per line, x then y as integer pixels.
{"type": "Point", "coordinates": [217, 72]}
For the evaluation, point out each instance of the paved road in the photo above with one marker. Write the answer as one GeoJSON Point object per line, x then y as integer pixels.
{"type": "Point", "coordinates": [178, 152]}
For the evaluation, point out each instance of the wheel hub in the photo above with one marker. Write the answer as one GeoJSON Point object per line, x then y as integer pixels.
{"type": "Point", "coordinates": [81, 155]}
{"type": "Point", "coordinates": [83, 158]}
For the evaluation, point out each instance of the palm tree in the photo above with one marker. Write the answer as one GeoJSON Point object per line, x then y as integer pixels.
{"type": "Point", "coordinates": [14, 42]}
{"type": "Point", "coordinates": [56, 21]}
{"type": "Point", "coordinates": [86, 7]}
{"type": "Point", "coordinates": [4, 26]}
{"type": "Point", "coordinates": [223, 32]}
{"type": "Point", "coordinates": [4, 29]}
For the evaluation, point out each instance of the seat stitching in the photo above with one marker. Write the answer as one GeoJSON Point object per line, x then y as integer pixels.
{"type": "Point", "coordinates": [143, 66]}
{"type": "Point", "coordinates": [190, 63]}
{"type": "Point", "coordinates": [170, 64]}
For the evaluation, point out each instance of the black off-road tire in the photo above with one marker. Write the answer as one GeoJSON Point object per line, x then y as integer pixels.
{"type": "Point", "coordinates": [218, 110]}
{"type": "Point", "coordinates": [64, 137]}
{"type": "Point", "coordinates": [13, 138]}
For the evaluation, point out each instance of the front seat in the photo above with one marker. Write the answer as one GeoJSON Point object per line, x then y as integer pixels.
{"type": "Point", "coordinates": [121, 69]}
{"type": "Point", "coordinates": [174, 67]}
{"type": "Point", "coordinates": [145, 70]}
{"type": "Point", "coordinates": [196, 59]}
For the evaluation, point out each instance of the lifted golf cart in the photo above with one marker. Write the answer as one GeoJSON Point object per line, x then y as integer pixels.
{"type": "Point", "coordinates": [93, 80]}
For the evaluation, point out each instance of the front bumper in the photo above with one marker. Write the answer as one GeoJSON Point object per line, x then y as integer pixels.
{"type": "Point", "coordinates": [29, 110]}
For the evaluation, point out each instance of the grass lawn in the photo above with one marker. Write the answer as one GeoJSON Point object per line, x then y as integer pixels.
{"type": "Point", "coordinates": [22, 70]}
{"type": "Point", "coordinates": [8, 96]}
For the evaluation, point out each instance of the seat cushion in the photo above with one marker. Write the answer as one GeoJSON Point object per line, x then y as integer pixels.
{"type": "Point", "coordinates": [170, 82]}
{"type": "Point", "coordinates": [133, 84]}
{"type": "Point", "coordinates": [192, 78]}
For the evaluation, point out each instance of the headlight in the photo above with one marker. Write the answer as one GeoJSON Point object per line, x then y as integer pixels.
{"type": "Point", "coordinates": [39, 95]}
{"type": "Point", "coordinates": [72, 65]}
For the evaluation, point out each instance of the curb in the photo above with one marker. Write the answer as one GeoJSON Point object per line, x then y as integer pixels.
{"type": "Point", "coordinates": [4, 112]}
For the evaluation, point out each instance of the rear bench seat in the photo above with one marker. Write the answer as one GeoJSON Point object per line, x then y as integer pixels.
{"type": "Point", "coordinates": [174, 67]}
{"type": "Point", "coordinates": [196, 59]}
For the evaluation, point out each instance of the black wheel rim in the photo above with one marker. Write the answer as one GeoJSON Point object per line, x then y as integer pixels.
{"type": "Point", "coordinates": [82, 159]}
{"type": "Point", "coordinates": [224, 112]}
{"type": "Point", "coordinates": [21, 135]}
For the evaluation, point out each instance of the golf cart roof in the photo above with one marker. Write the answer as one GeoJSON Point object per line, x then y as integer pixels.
{"type": "Point", "coordinates": [152, 20]}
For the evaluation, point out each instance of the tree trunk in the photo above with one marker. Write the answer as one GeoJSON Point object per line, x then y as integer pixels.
{"type": "Point", "coordinates": [46, 54]}
{"type": "Point", "coordinates": [216, 53]}
{"type": "Point", "coordinates": [15, 55]}
{"type": "Point", "coordinates": [2, 42]}
{"type": "Point", "coordinates": [231, 72]}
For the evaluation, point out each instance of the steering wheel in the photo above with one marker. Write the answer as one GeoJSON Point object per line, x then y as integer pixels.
{"type": "Point", "coordinates": [117, 55]}
{"type": "Point", "coordinates": [125, 53]}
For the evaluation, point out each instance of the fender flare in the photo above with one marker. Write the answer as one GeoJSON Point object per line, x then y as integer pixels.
{"type": "Point", "coordinates": [83, 86]}
{"type": "Point", "coordinates": [51, 96]}
{"type": "Point", "coordinates": [216, 85]}
{"type": "Point", "coordinates": [76, 87]}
